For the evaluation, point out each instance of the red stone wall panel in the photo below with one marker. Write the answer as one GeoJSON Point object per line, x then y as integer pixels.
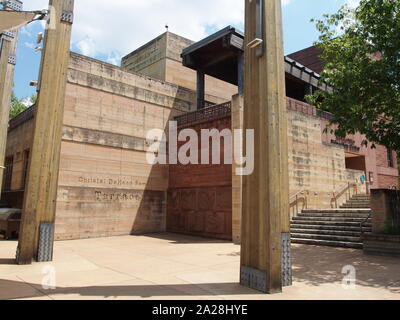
{"type": "Point", "coordinates": [200, 196]}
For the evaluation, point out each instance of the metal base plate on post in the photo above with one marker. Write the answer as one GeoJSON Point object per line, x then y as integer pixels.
{"type": "Point", "coordinates": [13, 5]}
{"type": "Point", "coordinates": [12, 60]}
{"type": "Point", "coordinates": [17, 255]}
{"type": "Point", "coordinates": [46, 240]}
{"type": "Point", "coordinates": [286, 260]}
{"type": "Point", "coordinates": [254, 279]}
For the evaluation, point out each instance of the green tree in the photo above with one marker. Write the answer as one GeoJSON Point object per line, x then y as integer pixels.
{"type": "Point", "coordinates": [20, 105]}
{"type": "Point", "coordinates": [361, 52]}
{"type": "Point", "coordinates": [16, 106]}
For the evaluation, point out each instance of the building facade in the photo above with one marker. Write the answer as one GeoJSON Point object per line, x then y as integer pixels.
{"type": "Point", "coordinates": [106, 186]}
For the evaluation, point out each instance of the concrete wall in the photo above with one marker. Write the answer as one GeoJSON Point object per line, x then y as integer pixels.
{"type": "Point", "coordinates": [19, 140]}
{"type": "Point", "coordinates": [385, 205]}
{"type": "Point", "coordinates": [106, 187]}
{"type": "Point", "coordinates": [381, 245]}
{"type": "Point", "coordinates": [315, 166]}
{"type": "Point", "coordinates": [200, 196]}
{"type": "Point", "coordinates": [161, 59]}
{"type": "Point", "coordinates": [148, 59]}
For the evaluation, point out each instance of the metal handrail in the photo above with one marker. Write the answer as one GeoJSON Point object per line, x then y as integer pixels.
{"type": "Point", "coordinates": [295, 200]}
{"type": "Point", "coordinates": [345, 190]}
{"type": "Point", "coordinates": [364, 222]}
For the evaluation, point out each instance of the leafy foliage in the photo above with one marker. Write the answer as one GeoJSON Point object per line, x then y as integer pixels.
{"type": "Point", "coordinates": [361, 52]}
{"type": "Point", "coordinates": [20, 105]}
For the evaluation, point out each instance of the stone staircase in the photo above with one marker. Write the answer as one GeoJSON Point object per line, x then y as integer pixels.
{"type": "Point", "coordinates": [361, 201]}
{"type": "Point", "coordinates": [334, 227]}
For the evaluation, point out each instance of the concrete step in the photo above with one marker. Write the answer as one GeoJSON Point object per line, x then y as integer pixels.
{"type": "Point", "coordinates": [361, 198]}
{"type": "Point", "coordinates": [338, 244]}
{"type": "Point", "coordinates": [359, 202]}
{"type": "Point", "coordinates": [327, 218]}
{"type": "Point", "coordinates": [355, 206]}
{"type": "Point", "coordinates": [326, 237]}
{"type": "Point", "coordinates": [340, 233]}
{"type": "Point", "coordinates": [368, 211]}
{"type": "Point", "coordinates": [356, 203]}
{"type": "Point", "coordinates": [330, 228]}
{"type": "Point", "coordinates": [330, 223]}
{"type": "Point", "coordinates": [333, 227]}
{"type": "Point", "coordinates": [338, 215]}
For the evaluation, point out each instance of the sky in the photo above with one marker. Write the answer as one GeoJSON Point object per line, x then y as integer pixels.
{"type": "Point", "coordinates": [108, 30]}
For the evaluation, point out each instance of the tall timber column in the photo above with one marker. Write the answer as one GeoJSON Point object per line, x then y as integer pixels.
{"type": "Point", "coordinates": [38, 214]}
{"type": "Point", "coordinates": [8, 51]}
{"type": "Point", "coordinates": [265, 256]}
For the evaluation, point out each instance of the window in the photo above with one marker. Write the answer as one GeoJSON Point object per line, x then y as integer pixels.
{"type": "Point", "coordinates": [25, 169]}
{"type": "Point", "coordinates": [8, 173]}
{"type": "Point", "coordinates": [390, 158]}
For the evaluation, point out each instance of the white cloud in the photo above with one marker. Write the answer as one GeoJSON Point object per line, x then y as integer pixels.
{"type": "Point", "coordinates": [30, 45]}
{"type": "Point", "coordinates": [115, 28]}
{"type": "Point", "coordinates": [27, 102]}
{"type": "Point", "coordinates": [114, 58]}
{"type": "Point", "coordinates": [24, 30]}
{"type": "Point", "coordinates": [353, 3]}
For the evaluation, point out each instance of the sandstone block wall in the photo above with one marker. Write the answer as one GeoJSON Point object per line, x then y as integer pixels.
{"type": "Point", "coordinates": [19, 141]}
{"type": "Point", "coordinates": [106, 186]}
{"type": "Point", "coordinates": [315, 166]}
{"type": "Point", "coordinates": [161, 59]}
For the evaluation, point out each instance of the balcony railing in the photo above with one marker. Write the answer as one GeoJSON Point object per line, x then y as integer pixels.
{"type": "Point", "coordinates": [296, 105]}
{"type": "Point", "coordinates": [204, 115]}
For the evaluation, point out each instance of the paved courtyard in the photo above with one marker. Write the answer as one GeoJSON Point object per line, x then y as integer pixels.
{"type": "Point", "coordinates": [168, 266]}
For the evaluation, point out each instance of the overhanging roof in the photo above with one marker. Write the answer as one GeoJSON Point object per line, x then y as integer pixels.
{"type": "Point", "coordinates": [217, 55]}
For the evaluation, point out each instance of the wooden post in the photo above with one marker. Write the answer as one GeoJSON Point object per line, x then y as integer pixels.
{"type": "Point", "coordinates": [8, 51]}
{"type": "Point", "coordinates": [41, 192]}
{"type": "Point", "coordinates": [5, 100]}
{"type": "Point", "coordinates": [265, 256]}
